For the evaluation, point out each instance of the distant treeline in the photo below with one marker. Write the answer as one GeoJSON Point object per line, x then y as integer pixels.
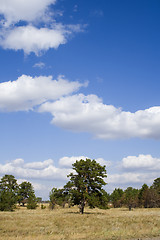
{"type": "Point", "coordinates": [147, 197]}
{"type": "Point", "coordinates": [85, 188]}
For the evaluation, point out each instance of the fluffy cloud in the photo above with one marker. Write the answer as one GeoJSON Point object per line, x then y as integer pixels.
{"type": "Point", "coordinates": [131, 179]}
{"type": "Point", "coordinates": [16, 10]}
{"type": "Point", "coordinates": [141, 162]}
{"type": "Point", "coordinates": [35, 170]}
{"type": "Point", "coordinates": [68, 161]}
{"type": "Point", "coordinates": [31, 39]}
{"type": "Point", "coordinates": [44, 170]}
{"type": "Point", "coordinates": [135, 171]}
{"type": "Point", "coordinates": [78, 112]}
{"type": "Point", "coordinates": [30, 36]}
{"type": "Point", "coordinates": [39, 165]}
{"type": "Point", "coordinates": [89, 114]}
{"type": "Point", "coordinates": [27, 92]}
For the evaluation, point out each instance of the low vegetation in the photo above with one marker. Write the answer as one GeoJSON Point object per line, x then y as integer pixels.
{"type": "Point", "coordinates": [66, 223]}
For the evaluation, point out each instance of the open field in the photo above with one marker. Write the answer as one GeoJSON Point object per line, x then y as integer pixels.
{"type": "Point", "coordinates": [23, 224]}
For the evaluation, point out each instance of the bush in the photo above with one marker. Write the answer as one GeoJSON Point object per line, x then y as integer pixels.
{"type": "Point", "coordinates": [7, 201]}
{"type": "Point", "coordinates": [32, 203]}
{"type": "Point", "coordinates": [42, 206]}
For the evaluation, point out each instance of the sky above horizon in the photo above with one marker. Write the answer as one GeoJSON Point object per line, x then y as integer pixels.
{"type": "Point", "coordinates": [79, 79]}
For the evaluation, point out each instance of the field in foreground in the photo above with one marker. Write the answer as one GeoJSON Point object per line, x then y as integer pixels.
{"type": "Point", "coordinates": [67, 223]}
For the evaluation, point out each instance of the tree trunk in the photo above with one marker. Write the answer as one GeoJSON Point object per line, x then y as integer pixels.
{"type": "Point", "coordinates": [81, 207]}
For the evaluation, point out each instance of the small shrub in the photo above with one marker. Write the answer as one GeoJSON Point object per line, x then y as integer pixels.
{"type": "Point", "coordinates": [32, 203]}
{"type": "Point", "coordinates": [42, 206]}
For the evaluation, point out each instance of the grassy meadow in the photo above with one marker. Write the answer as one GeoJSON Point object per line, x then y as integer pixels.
{"type": "Point", "coordinates": [94, 224]}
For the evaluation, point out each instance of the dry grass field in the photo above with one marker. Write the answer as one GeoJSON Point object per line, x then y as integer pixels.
{"type": "Point", "coordinates": [95, 224]}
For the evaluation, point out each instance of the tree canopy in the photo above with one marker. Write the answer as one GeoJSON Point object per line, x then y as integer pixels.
{"type": "Point", "coordinates": [8, 192]}
{"type": "Point", "coordinates": [11, 193]}
{"type": "Point", "coordinates": [87, 182]}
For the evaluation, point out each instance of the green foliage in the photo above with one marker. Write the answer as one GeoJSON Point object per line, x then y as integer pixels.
{"type": "Point", "coordinates": [144, 196]}
{"type": "Point", "coordinates": [8, 193]}
{"type": "Point", "coordinates": [43, 206]}
{"type": "Point", "coordinates": [117, 197]}
{"type": "Point", "coordinates": [131, 197]}
{"type": "Point", "coordinates": [156, 185]}
{"type": "Point", "coordinates": [7, 200]}
{"type": "Point", "coordinates": [32, 202]}
{"type": "Point", "coordinates": [86, 184]}
{"type": "Point", "coordinates": [9, 183]}
{"type": "Point", "coordinates": [24, 192]}
{"type": "Point", "coordinates": [57, 196]}
{"type": "Point", "coordinates": [39, 199]}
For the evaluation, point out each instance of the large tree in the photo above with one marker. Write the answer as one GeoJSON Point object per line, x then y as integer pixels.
{"type": "Point", "coordinates": [25, 191]}
{"type": "Point", "coordinates": [8, 193]}
{"type": "Point", "coordinates": [87, 181]}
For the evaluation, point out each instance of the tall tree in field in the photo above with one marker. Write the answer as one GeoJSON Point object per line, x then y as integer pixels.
{"type": "Point", "coordinates": [87, 182]}
{"type": "Point", "coordinates": [25, 191]}
{"type": "Point", "coordinates": [8, 193]}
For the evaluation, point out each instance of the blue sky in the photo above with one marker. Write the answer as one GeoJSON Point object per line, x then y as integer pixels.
{"type": "Point", "coordinates": [79, 79]}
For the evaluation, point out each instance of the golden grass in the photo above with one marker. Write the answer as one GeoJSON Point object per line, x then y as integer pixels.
{"type": "Point", "coordinates": [94, 224]}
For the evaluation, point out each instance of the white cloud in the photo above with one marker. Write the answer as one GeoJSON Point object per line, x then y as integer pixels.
{"type": "Point", "coordinates": [135, 171]}
{"type": "Point", "coordinates": [68, 161]}
{"type": "Point", "coordinates": [26, 92]}
{"type": "Point", "coordinates": [82, 113]}
{"type": "Point", "coordinates": [35, 170]}
{"type": "Point", "coordinates": [141, 162]}
{"type": "Point", "coordinates": [45, 170]}
{"type": "Point", "coordinates": [39, 65]}
{"type": "Point", "coordinates": [29, 36]}
{"type": "Point", "coordinates": [39, 165]}
{"type": "Point", "coordinates": [32, 39]}
{"type": "Point", "coordinates": [128, 177]}
{"type": "Point", "coordinates": [16, 10]}
{"type": "Point", "coordinates": [18, 162]}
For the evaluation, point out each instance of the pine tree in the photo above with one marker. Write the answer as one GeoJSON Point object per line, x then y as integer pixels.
{"type": "Point", "coordinates": [87, 184]}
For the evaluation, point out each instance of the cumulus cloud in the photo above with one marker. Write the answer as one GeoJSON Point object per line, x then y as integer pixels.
{"type": "Point", "coordinates": [135, 171]}
{"type": "Point", "coordinates": [82, 113]}
{"type": "Point", "coordinates": [16, 10]}
{"type": "Point", "coordinates": [77, 112]}
{"type": "Point", "coordinates": [21, 26]}
{"type": "Point", "coordinates": [32, 39]}
{"type": "Point", "coordinates": [35, 170]}
{"type": "Point", "coordinates": [141, 162]}
{"type": "Point", "coordinates": [68, 161]}
{"type": "Point", "coordinates": [129, 179]}
{"type": "Point", "coordinates": [27, 92]}
{"type": "Point", "coordinates": [43, 170]}
{"type": "Point", "coordinates": [39, 165]}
